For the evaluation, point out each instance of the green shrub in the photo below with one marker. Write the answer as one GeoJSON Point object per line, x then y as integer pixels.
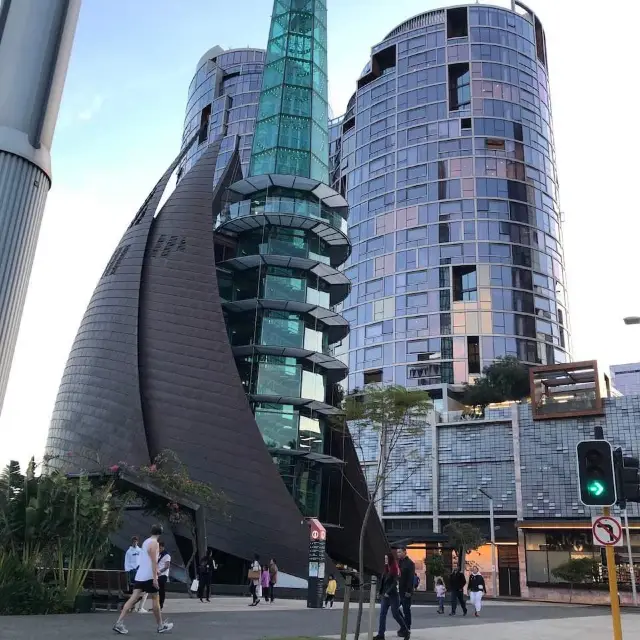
{"type": "Point", "coordinates": [22, 591]}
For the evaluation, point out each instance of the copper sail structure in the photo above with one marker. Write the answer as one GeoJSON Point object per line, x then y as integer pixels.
{"type": "Point", "coordinates": [216, 344]}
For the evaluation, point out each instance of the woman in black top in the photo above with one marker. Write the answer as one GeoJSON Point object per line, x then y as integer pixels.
{"type": "Point", "coordinates": [390, 599]}
{"type": "Point", "coordinates": [476, 589]}
{"type": "Point", "coordinates": [205, 575]}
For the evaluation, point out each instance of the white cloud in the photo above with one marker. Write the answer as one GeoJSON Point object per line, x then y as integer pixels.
{"type": "Point", "coordinates": [90, 111]}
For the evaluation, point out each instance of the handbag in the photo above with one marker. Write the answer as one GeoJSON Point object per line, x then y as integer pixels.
{"type": "Point", "coordinates": [253, 574]}
{"type": "Point", "coordinates": [194, 585]}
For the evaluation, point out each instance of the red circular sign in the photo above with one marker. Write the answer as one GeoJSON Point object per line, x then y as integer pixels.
{"type": "Point", "coordinates": [607, 531]}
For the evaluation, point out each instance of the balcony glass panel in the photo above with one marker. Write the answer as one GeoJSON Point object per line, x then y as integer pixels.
{"type": "Point", "coordinates": [284, 288]}
{"type": "Point", "coordinates": [283, 329]}
{"type": "Point", "coordinates": [310, 434]}
{"type": "Point", "coordinates": [313, 386]}
{"type": "Point", "coordinates": [278, 426]}
{"type": "Point", "coordinates": [279, 379]}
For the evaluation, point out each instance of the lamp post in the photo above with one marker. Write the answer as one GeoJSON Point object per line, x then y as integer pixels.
{"type": "Point", "coordinates": [494, 563]}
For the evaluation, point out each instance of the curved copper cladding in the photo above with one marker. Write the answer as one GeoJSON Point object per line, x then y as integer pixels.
{"type": "Point", "coordinates": [151, 368]}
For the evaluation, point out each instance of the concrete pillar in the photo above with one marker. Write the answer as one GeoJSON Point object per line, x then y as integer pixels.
{"type": "Point", "coordinates": [35, 45]}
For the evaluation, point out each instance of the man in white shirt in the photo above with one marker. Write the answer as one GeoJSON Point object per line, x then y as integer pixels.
{"type": "Point", "coordinates": [131, 561]}
{"type": "Point", "coordinates": [164, 565]}
{"type": "Point", "coordinates": [146, 581]}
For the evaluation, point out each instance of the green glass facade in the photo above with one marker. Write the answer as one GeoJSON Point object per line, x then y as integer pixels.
{"type": "Point", "coordinates": [290, 232]}
{"type": "Point", "coordinates": [291, 135]}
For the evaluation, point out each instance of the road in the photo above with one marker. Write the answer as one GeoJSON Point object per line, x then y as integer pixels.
{"type": "Point", "coordinates": [231, 619]}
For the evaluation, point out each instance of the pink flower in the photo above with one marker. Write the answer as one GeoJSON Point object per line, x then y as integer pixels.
{"type": "Point", "coordinates": [153, 468]}
{"type": "Point", "coordinates": [114, 468]}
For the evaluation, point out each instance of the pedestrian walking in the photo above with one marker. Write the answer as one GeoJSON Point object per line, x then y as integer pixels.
{"type": "Point", "coordinates": [164, 564]}
{"type": "Point", "coordinates": [273, 578]}
{"type": "Point", "coordinates": [476, 590]}
{"type": "Point", "coordinates": [146, 581]}
{"type": "Point", "coordinates": [441, 591]}
{"type": "Point", "coordinates": [389, 598]}
{"type": "Point", "coordinates": [456, 584]}
{"type": "Point", "coordinates": [264, 582]}
{"type": "Point", "coordinates": [255, 575]}
{"type": "Point", "coordinates": [330, 595]}
{"type": "Point", "coordinates": [131, 562]}
{"type": "Point", "coordinates": [205, 576]}
{"type": "Point", "coordinates": [406, 584]}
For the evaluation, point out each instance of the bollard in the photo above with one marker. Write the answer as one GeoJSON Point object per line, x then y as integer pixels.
{"type": "Point", "coordinates": [372, 606]}
{"type": "Point", "coordinates": [345, 608]}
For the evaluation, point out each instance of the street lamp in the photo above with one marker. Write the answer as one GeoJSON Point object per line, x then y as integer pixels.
{"type": "Point", "coordinates": [494, 564]}
{"type": "Point", "coordinates": [632, 320]}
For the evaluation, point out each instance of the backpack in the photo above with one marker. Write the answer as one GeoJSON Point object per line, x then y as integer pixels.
{"type": "Point", "coordinates": [416, 581]}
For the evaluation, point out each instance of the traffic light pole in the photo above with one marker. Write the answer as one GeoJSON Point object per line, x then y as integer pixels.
{"type": "Point", "coordinates": [632, 570]}
{"type": "Point", "coordinates": [613, 586]}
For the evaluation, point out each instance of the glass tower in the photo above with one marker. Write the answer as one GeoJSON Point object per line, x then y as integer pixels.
{"type": "Point", "coordinates": [446, 156]}
{"type": "Point", "coordinates": [289, 234]}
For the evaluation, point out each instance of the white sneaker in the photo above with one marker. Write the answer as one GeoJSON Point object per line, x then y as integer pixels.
{"type": "Point", "coordinates": [166, 626]}
{"type": "Point", "coordinates": [143, 610]}
{"type": "Point", "coordinates": [119, 627]}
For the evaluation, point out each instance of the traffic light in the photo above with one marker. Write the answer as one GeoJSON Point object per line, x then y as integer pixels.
{"type": "Point", "coordinates": [627, 478]}
{"type": "Point", "coordinates": [596, 474]}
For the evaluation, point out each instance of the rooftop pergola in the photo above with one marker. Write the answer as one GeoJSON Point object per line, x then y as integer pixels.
{"type": "Point", "coordinates": [566, 390]}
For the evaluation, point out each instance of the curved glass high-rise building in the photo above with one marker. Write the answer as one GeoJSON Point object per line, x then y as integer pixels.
{"type": "Point", "coordinates": [223, 101]}
{"type": "Point", "coordinates": [446, 157]}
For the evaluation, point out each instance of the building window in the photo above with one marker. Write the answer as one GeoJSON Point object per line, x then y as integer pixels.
{"type": "Point", "coordinates": [494, 144]}
{"type": "Point", "coordinates": [459, 86]}
{"type": "Point", "coordinates": [473, 354]}
{"type": "Point", "coordinates": [373, 377]}
{"type": "Point", "coordinates": [205, 116]}
{"type": "Point", "coordinates": [457, 25]}
{"type": "Point", "coordinates": [465, 283]}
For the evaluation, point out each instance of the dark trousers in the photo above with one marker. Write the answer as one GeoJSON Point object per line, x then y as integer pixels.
{"type": "Point", "coordinates": [405, 601]}
{"type": "Point", "coordinates": [457, 596]}
{"type": "Point", "coordinates": [392, 601]}
{"type": "Point", "coordinates": [253, 589]}
{"type": "Point", "coordinates": [329, 600]}
{"type": "Point", "coordinates": [204, 587]}
{"type": "Point", "coordinates": [132, 578]}
{"type": "Point", "coordinates": [270, 592]}
{"type": "Point", "coordinates": [162, 585]}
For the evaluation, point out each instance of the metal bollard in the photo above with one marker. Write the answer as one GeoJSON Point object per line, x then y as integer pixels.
{"type": "Point", "coordinates": [345, 608]}
{"type": "Point", "coordinates": [372, 606]}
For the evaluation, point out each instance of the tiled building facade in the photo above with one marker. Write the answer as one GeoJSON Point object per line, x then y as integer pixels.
{"type": "Point", "coordinates": [529, 468]}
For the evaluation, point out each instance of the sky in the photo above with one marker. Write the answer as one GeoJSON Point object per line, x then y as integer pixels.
{"type": "Point", "coordinates": [120, 125]}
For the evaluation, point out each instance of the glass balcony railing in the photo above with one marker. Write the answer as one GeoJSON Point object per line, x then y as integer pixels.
{"type": "Point", "coordinates": [284, 205]}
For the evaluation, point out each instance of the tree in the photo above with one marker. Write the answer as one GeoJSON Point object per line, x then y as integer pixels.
{"type": "Point", "coordinates": [435, 566]}
{"type": "Point", "coordinates": [391, 421]}
{"type": "Point", "coordinates": [506, 378]}
{"type": "Point", "coordinates": [171, 475]}
{"type": "Point", "coordinates": [463, 537]}
{"type": "Point", "coordinates": [577, 571]}
{"type": "Point", "coordinates": [52, 528]}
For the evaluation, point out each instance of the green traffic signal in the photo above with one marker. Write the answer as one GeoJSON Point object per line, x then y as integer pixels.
{"type": "Point", "coordinates": [595, 488]}
{"type": "Point", "coordinates": [596, 474]}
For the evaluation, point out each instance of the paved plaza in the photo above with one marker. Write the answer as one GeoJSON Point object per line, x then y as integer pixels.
{"type": "Point", "coordinates": [232, 619]}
